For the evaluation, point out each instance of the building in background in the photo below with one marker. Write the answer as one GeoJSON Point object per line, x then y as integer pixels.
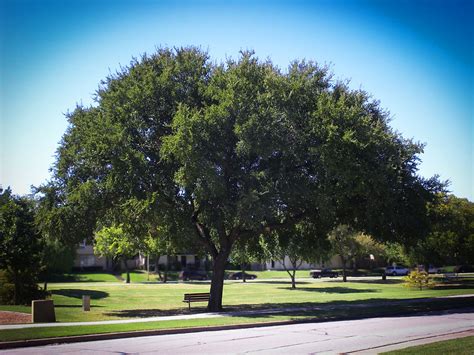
{"type": "Point", "coordinates": [86, 260]}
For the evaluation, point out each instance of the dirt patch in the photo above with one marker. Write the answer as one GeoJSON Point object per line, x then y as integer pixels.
{"type": "Point", "coordinates": [7, 317]}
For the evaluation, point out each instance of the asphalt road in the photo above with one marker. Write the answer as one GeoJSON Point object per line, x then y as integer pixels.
{"type": "Point", "coordinates": [366, 336]}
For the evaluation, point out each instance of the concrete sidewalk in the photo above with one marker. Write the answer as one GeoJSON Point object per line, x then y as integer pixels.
{"type": "Point", "coordinates": [234, 313]}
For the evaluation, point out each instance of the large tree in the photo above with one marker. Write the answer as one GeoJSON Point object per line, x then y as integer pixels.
{"type": "Point", "coordinates": [232, 151]}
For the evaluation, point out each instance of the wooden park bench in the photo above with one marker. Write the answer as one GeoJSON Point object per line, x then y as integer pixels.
{"type": "Point", "coordinates": [196, 297]}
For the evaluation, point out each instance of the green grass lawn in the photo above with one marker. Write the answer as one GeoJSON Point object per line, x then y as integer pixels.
{"type": "Point", "coordinates": [462, 346]}
{"type": "Point", "coordinates": [141, 276]}
{"type": "Point", "coordinates": [125, 301]}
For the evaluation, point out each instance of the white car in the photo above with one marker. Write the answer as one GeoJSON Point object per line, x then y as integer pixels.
{"type": "Point", "coordinates": [396, 270]}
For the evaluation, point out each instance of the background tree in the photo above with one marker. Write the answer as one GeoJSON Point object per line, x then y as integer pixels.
{"type": "Point", "coordinates": [233, 151]}
{"type": "Point", "coordinates": [451, 240]}
{"type": "Point", "coordinates": [55, 258]}
{"type": "Point", "coordinates": [344, 243]}
{"type": "Point", "coordinates": [366, 246]}
{"type": "Point", "coordinates": [115, 243]}
{"type": "Point", "coordinates": [302, 242]}
{"type": "Point", "coordinates": [20, 250]}
{"type": "Point", "coordinates": [247, 251]}
{"type": "Point", "coordinates": [396, 253]}
{"type": "Point", "coordinates": [159, 243]}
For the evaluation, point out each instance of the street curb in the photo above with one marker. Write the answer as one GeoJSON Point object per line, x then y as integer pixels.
{"type": "Point", "coordinates": [138, 333]}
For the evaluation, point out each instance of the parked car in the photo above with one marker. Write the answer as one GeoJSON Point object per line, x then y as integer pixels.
{"type": "Point", "coordinates": [192, 275]}
{"type": "Point", "coordinates": [463, 268]}
{"type": "Point", "coordinates": [316, 274]}
{"type": "Point", "coordinates": [396, 270]}
{"type": "Point", "coordinates": [240, 275]}
{"type": "Point", "coordinates": [431, 269]}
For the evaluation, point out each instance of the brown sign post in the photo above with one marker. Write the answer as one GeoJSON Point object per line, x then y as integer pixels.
{"type": "Point", "coordinates": [42, 311]}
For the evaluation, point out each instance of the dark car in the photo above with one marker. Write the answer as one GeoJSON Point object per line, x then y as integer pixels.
{"type": "Point", "coordinates": [316, 274]}
{"type": "Point", "coordinates": [192, 275]}
{"type": "Point", "coordinates": [240, 275]}
{"type": "Point", "coordinates": [463, 268]}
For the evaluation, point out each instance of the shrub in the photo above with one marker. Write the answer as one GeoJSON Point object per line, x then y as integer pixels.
{"type": "Point", "coordinates": [25, 291]}
{"type": "Point", "coordinates": [418, 279]}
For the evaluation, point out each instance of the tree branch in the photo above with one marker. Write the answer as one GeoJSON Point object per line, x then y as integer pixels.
{"type": "Point", "coordinates": [203, 234]}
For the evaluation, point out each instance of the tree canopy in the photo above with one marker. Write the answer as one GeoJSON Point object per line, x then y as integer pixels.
{"type": "Point", "coordinates": [232, 151]}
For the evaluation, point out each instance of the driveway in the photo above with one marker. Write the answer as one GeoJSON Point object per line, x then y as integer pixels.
{"type": "Point", "coordinates": [366, 336]}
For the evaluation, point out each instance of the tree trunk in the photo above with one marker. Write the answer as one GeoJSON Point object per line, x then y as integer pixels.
{"type": "Point", "coordinates": [45, 284]}
{"type": "Point", "coordinates": [217, 282]}
{"type": "Point", "coordinates": [242, 266]}
{"type": "Point", "coordinates": [127, 270]}
{"type": "Point", "coordinates": [17, 288]}
{"type": "Point", "coordinates": [167, 268]}
{"type": "Point", "coordinates": [157, 268]}
{"type": "Point", "coordinates": [344, 276]}
{"type": "Point", "coordinates": [291, 273]}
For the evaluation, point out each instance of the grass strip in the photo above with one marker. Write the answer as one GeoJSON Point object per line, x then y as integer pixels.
{"type": "Point", "coordinates": [460, 346]}
{"type": "Point", "coordinates": [50, 332]}
{"type": "Point", "coordinates": [293, 316]}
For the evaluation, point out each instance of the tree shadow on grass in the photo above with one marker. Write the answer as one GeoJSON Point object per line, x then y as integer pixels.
{"type": "Point", "coordinates": [78, 293]}
{"type": "Point", "coordinates": [339, 310]}
{"type": "Point", "coordinates": [330, 289]}
{"type": "Point", "coordinates": [146, 313]}
{"type": "Point", "coordinates": [454, 286]}
{"type": "Point", "coordinates": [378, 282]}
{"type": "Point", "coordinates": [203, 282]}
{"type": "Point", "coordinates": [74, 277]}
{"type": "Point", "coordinates": [74, 306]}
{"type": "Point", "coordinates": [282, 282]}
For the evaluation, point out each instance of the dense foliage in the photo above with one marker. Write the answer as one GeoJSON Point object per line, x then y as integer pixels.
{"type": "Point", "coordinates": [229, 152]}
{"type": "Point", "coordinates": [20, 250]}
{"type": "Point", "coordinates": [451, 241]}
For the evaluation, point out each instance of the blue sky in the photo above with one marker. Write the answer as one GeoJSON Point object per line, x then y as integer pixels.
{"type": "Point", "coordinates": [416, 57]}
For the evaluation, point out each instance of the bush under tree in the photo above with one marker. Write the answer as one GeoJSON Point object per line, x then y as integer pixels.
{"type": "Point", "coordinates": [418, 279]}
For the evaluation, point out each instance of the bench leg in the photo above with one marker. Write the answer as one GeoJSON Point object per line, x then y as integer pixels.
{"type": "Point", "coordinates": [189, 305]}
